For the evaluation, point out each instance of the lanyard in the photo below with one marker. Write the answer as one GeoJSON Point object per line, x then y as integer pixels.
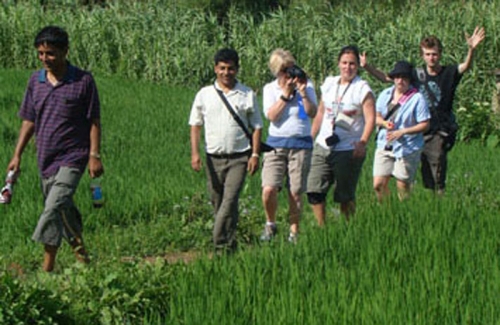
{"type": "Point", "coordinates": [339, 99]}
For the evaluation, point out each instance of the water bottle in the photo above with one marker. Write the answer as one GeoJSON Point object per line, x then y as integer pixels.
{"type": "Point", "coordinates": [7, 190]}
{"type": "Point", "coordinates": [96, 190]}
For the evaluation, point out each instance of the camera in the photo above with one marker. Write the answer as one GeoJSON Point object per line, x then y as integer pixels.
{"type": "Point", "coordinates": [296, 72]}
{"type": "Point", "coordinates": [332, 140]}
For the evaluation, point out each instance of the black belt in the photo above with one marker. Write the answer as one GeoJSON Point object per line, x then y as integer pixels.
{"type": "Point", "coordinates": [229, 155]}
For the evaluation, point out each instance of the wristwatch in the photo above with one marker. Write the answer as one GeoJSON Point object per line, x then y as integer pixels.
{"type": "Point", "coordinates": [95, 155]}
{"type": "Point", "coordinates": [285, 99]}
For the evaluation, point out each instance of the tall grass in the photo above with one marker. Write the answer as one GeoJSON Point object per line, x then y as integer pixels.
{"type": "Point", "coordinates": [158, 40]}
{"type": "Point", "coordinates": [425, 261]}
{"type": "Point", "coordinates": [173, 43]}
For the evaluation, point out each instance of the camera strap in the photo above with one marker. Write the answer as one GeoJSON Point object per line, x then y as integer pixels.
{"type": "Point", "coordinates": [404, 98]}
{"type": "Point", "coordinates": [392, 112]}
{"type": "Point", "coordinates": [387, 116]}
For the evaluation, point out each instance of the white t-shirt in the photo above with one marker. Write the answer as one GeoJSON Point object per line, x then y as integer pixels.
{"type": "Point", "coordinates": [289, 124]}
{"type": "Point", "coordinates": [347, 99]}
{"type": "Point", "coordinates": [223, 135]}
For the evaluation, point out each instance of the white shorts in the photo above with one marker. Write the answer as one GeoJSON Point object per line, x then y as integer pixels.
{"type": "Point", "coordinates": [403, 169]}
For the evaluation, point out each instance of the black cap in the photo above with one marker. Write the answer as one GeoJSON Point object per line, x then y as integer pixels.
{"type": "Point", "coordinates": [403, 69]}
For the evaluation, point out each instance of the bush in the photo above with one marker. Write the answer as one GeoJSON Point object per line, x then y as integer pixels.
{"type": "Point", "coordinates": [29, 303]}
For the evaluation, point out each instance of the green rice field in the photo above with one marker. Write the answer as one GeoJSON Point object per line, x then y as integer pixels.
{"type": "Point", "coordinates": [428, 260]}
{"type": "Point", "coordinates": [424, 261]}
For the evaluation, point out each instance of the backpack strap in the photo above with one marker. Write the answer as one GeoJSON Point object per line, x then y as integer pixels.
{"type": "Point", "coordinates": [420, 74]}
{"type": "Point", "coordinates": [431, 96]}
{"type": "Point", "coordinates": [423, 79]}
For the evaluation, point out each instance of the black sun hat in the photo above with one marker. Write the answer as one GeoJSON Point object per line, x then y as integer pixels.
{"type": "Point", "coordinates": [403, 69]}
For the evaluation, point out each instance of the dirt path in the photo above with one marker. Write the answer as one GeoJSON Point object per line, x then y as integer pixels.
{"type": "Point", "coordinates": [171, 258]}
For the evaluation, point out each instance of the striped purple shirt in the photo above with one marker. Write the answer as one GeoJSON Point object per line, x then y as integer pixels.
{"type": "Point", "coordinates": [62, 115]}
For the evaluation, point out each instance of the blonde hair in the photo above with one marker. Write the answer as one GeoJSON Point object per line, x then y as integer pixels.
{"type": "Point", "coordinates": [279, 60]}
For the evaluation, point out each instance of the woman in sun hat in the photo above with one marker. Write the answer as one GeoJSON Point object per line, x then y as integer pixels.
{"type": "Point", "coordinates": [402, 117]}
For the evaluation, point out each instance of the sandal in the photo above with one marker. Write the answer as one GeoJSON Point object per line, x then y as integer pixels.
{"type": "Point", "coordinates": [79, 251]}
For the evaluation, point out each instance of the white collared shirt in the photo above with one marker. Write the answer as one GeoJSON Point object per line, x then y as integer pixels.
{"type": "Point", "coordinates": [223, 135]}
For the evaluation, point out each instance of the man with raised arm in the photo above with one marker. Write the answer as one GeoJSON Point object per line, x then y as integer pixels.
{"type": "Point", "coordinates": [438, 84]}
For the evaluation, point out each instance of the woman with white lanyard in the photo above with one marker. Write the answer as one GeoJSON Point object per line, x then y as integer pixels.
{"type": "Point", "coordinates": [342, 127]}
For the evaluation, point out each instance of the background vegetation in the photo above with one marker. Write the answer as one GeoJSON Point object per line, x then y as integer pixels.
{"type": "Point", "coordinates": [174, 41]}
{"type": "Point", "coordinates": [427, 261]}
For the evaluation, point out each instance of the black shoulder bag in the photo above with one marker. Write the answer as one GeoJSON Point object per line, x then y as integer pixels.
{"type": "Point", "coordinates": [264, 147]}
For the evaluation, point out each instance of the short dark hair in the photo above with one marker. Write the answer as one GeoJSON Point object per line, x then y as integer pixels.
{"type": "Point", "coordinates": [227, 55]}
{"type": "Point", "coordinates": [349, 49]}
{"type": "Point", "coordinates": [430, 42]}
{"type": "Point", "coordinates": [52, 35]}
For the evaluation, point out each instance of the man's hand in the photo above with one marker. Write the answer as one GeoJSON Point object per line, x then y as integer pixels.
{"type": "Point", "coordinates": [362, 60]}
{"type": "Point", "coordinates": [196, 162]}
{"type": "Point", "coordinates": [253, 165]}
{"type": "Point", "coordinates": [14, 164]}
{"type": "Point", "coordinates": [95, 167]}
{"type": "Point", "coordinates": [476, 38]}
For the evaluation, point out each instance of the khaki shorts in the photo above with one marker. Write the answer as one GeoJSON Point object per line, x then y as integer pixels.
{"type": "Point", "coordinates": [329, 167]}
{"type": "Point", "coordinates": [403, 169]}
{"type": "Point", "coordinates": [292, 163]}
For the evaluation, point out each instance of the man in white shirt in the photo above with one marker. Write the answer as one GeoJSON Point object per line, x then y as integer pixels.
{"type": "Point", "coordinates": [229, 152]}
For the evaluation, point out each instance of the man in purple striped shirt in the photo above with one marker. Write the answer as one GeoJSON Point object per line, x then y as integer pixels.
{"type": "Point", "coordinates": [61, 108]}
